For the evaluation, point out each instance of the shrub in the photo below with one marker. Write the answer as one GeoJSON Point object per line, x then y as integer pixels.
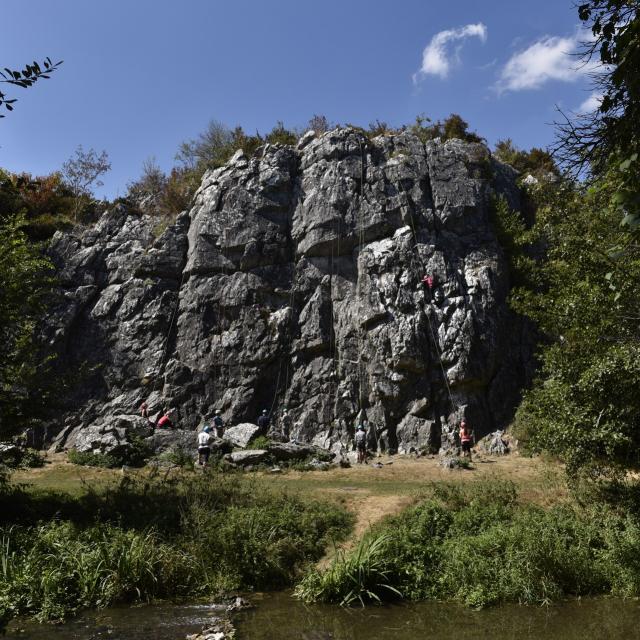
{"type": "Point", "coordinates": [134, 455]}
{"type": "Point", "coordinates": [179, 457]}
{"type": "Point", "coordinates": [31, 459]}
{"type": "Point", "coordinates": [452, 127]}
{"type": "Point", "coordinates": [90, 459]}
{"type": "Point", "coordinates": [156, 538]}
{"type": "Point", "coordinates": [479, 546]}
{"type": "Point", "coordinates": [261, 442]}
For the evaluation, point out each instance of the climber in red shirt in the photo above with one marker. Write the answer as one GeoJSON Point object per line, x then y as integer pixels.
{"type": "Point", "coordinates": [165, 420]}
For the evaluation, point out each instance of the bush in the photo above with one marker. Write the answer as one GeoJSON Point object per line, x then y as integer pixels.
{"type": "Point", "coordinates": [480, 547]}
{"type": "Point", "coordinates": [31, 459]}
{"type": "Point", "coordinates": [153, 538]}
{"type": "Point", "coordinates": [453, 127]}
{"type": "Point", "coordinates": [179, 457]}
{"type": "Point", "coordinates": [134, 455]}
{"type": "Point", "coordinates": [90, 459]}
{"type": "Point", "coordinates": [261, 442]}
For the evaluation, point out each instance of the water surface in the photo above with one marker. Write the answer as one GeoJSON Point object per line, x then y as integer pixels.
{"type": "Point", "coordinates": [279, 617]}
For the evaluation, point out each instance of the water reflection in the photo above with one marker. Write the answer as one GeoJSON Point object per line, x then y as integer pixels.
{"type": "Point", "coordinates": [279, 617]}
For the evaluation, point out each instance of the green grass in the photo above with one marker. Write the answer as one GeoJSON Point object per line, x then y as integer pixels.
{"type": "Point", "coordinates": [155, 537]}
{"type": "Point", "coordinates": [480, 546]}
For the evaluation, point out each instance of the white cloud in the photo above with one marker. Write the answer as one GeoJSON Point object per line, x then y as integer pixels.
{"type": "Point", "coordinates": [550, 58]}
{"type": "Point", "coordinates": [438, 57]}
{"type": "Point", "coordinates": [591, 103]}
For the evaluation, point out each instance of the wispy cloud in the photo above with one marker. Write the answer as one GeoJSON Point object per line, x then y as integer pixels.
{"type": "Point", "coordinates": [550, 58]}
{"type": "Point", "coordinates": [591, 103]}
{"type": "Point", "coordinates": [439, 55]}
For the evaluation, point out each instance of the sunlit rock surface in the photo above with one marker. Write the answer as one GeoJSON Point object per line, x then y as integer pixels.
{"type": "Point", "coordinates": [295, 280]}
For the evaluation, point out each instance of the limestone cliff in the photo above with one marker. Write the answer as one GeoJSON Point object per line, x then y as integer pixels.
{"type": "Point", "coordinates": [295, 280]}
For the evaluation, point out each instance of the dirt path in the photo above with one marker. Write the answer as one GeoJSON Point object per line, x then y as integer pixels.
{"type": "Point", "coordinates": [368, 510]}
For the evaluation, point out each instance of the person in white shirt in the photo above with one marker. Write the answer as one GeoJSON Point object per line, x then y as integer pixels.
{"type": "Point", "coordinates": [204, 450]}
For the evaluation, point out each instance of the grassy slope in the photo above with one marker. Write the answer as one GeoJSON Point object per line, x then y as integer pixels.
{"type": "Point", "coordinates": [370, 493]}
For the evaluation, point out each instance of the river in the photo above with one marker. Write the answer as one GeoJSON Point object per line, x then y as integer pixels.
{"type": "Point", "coordinates": [279, 617]}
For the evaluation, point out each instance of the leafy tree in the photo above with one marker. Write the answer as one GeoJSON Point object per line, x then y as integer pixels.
{"type": "Point", "coordinates": [614, 127]}
{"type": "Point", "coordinates": [25, 282]}
{"type": "Point", "coordinates": [319, 124]}
{"type": "Point", "coordinates": [452, 127]}
{"type": "Point", "coordinates": [455, 127]}
{"type": "Point", "coordinates": [82, 173]}
{"type": "Point", "coordinates": [585, 406]}
{"type": "Point", "coordinates": [45, 201]}
{"type": "Point", "coordinates": [25, 78]}
{"type": "Point", "coordinates": [209, 149]}
{"type": "Point", "coordinates": [537, 162]}
{"type": "Point", "coordinates": [606, 142]}
{"type": "Point", "coordinates": [147, 191]}
{"type": "Point", "coordinates": [281, 135]}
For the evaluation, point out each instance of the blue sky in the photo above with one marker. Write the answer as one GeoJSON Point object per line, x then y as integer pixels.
{"type": "Point", "coordinates": [140, 76]}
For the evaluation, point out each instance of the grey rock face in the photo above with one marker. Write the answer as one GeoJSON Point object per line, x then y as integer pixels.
{"type": "Point", "coordinates": [295, 280]}
{"type": "Point", "coordinates": [494, 444]}
{"type": "Point", "coordinates": [9, 453]}
{"type": "Point", "coordinates": [285, 451]}
{"type": "Point", "coordinates": [249, 457]}
{"type": "Point", "coordinates": [241, 435]}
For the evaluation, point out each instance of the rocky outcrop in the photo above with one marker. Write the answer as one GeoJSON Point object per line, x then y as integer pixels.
{"type": "Point", "coordinates": [295, 280]}
{"type": "Point", "coordinates": [242, 434]}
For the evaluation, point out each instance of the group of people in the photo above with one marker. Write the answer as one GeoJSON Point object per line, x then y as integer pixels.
{"type": "Point", "coordinates": [217, 427]}
{"type": "Point", "coordinates": [465, 435]}
{"type": "Point", "coordinates": [165, 420]}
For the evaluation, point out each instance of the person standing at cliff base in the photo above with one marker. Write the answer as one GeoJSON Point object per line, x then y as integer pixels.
{"type": "Point", "coordinates": [204, 450]}
{"type": "Point", "coordinates": [218, 424]}
{"type": "Point", "coordinates": [361, 444]}
{"type": "Point", "coordinates": [466, 439]}
{"type": "Point", "coordinates": [263, 422]}
{"type": "Point", "coordinates": [285, 424]}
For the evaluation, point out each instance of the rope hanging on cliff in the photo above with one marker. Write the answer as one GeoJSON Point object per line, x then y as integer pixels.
{"type": "Point", "coordinates": [428, 280]}
{"type": "Point", "coordinates": [174, 315]}
{"type": "Point", "coordinates": [360, 221]}
{"type": "Point", "coordinates": [333, 343]}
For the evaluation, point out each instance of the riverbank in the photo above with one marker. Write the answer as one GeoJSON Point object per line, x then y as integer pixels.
{"type": "Point", "coordinates": [212, 532]}
{"type": "Point", "coordinates": [153, 536]}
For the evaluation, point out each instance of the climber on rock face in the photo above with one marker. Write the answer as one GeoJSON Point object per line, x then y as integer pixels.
{"type": "Point", "coordinates": [263, 421]}
{"type": "Point", "coordinates": [144, 410]}
{"type": "Point", "coordinates": [166, 420]}
{"type": "Point", "coordinates": [428, 281]}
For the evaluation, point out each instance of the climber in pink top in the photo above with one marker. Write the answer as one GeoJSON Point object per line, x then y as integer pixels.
{"type": "Point", "coordinates": [466, 439]}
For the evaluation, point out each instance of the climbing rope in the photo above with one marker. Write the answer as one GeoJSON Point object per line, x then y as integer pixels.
{"type": "Point", "coordinates": [361, 336]}
{"type": "Point", "coordinates": [429, 281]}
{"type": "Point", "coordinates": [165, 350]}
